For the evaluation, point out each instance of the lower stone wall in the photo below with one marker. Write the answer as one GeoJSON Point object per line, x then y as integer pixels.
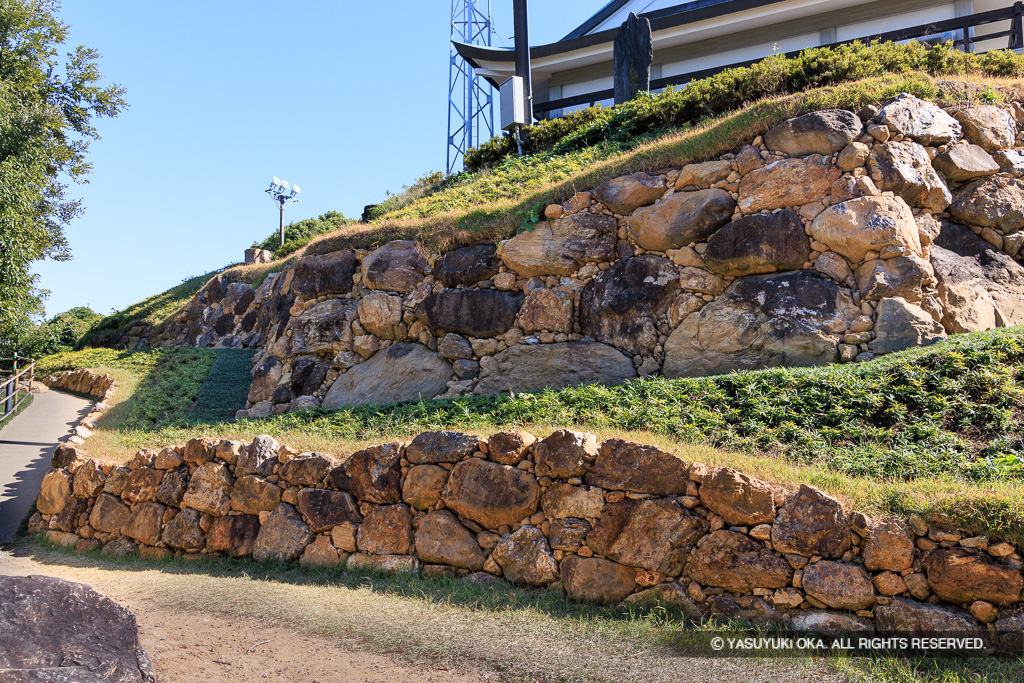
{"type": "Point", "coordinates": [84, 382]}
{"type": "Point", "coordinates": [611, 522]}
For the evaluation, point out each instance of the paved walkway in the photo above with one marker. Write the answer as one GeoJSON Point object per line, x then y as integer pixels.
{"type": "Point", "coordinates": [26, 446]}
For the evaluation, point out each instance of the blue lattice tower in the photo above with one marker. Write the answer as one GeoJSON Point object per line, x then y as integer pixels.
{"type": "Point", "coordinates": [470, 98]}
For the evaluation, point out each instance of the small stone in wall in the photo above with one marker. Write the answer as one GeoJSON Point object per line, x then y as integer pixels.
{"type": "Point", "coordinates": [703, 175]}
{"type": "Point", "coordinates": [509, 447]}
{"type": "Point", "coordinates": [547, 309]}
{"type": "Point", "coordinates": [525, 558]}
{"type": "Point", "coordinates": [455, 347]}
{"type": "Point", "coordinates": [854, 155]}
{"type": "Point", "coordinates": [738, 498]}
{"type": "Point", "coordinates": [563, 501]}
{"type": "Point", "coordinates": [320, 553]}
{"type": "Point", "coordinates": [839, 585]}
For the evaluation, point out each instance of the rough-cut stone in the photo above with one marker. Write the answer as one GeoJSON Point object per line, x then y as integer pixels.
{"type": "Point", "coordinates": [901, 325]}
{"type": "Point", "coordinates": [444, 446]}
{"type": "Point", "coordinates": [141, 485]}
{"type": "Point", "coordinates": [737, 563]}
{"type": "Point", "coordinates": [209, 490]}
{"type": "Point", "coordinates": [965, 162]}
{"type": "Point", "coordinates": [812, 523]}
{"type": "Point", "coordinates": [253, 495]}
{"type": "Point", "coordinates": [563, 500]}
{"type": "Point", "coordinates": [838, 585]}
{"type": "Point", "coordinates": [703, 175]}
{"type": "Point", "coordinates": [905, 275]}
{"type": "Point", "coordinates": [957, 575]}
{"type": "Point", "coordinates": [789, 182]}
{"type": "Point", "coordinates": [740, 500]}
{"type": "Point", "coordinates": [455, 347]}
{"type": "Point", "coordinates": [562, 246]}
{"type": "Point", "coordinates": [56, 630]}
{"type": "Point", "coordinates": [323, 274]}
{"type": "Point", "coordinates": [525, 558]}
{"type": "Point", "coordinates": [389, 564]}
{"type": "Point", "coordinates": [907, 617]}
{"type": "Point", "coordinates": [996, 202]}
{"type": "Point", "coordinates": [535, 367]}
{"type": "Point", "coordinates": [109, 514]}
{"type": "Point", "coordinates": [55, 491]}
{"type": "Point", "coordinates": [173, 486]}
{"type": "Point", "coordinates": [324, 328]}
{"type": "Point", "coordinates": [568, 534]}
{"type": "Point", "coordinates": [905, 169]}
{"type": "Point", "coordinates": [1010, 161]}
{"type": "Point", "coordinates": [70, 518]}
{"type": "Point", "coordinates": [325, 509]}
{"type": "Point", "coordinates": [627, 194]}
{"type": "Point", "coordinates": [423, 486]}
{"type": "Point", "coordinates": [547, 309]}
{"type": "Point", "coordinates": [373, 475]}
{"type": "Point", "coordinates": [787, 319]}
{"type": "Point", "coordinates": [381, 314]}
{"type": "Point", "coordinates": [478, 313]}
{"type": "Point", "coordinates": [889, 546]}
{"type": "Point", "coordinates": [234, 535]}
{"type": "Point", "coordinates": [565, 454]}
{"type": "Point", "coordinates": [857, 226]}
{"type": "Point", "coordinates": [509, 448]}
{"type": "Point", "coordinates": [146, 523]}
{"type": "Point", "coordinates": [821, 132]}
{"type": "Point", "coordinates": [762, 243]}
{"type": "Point", "coordinates": [320, 553]}
{"type": "Point", "coordinates": [827, 623]}
{"type": "Point", "coordinates": [627, 466]}
{"type": "Point", "coordinates": [490, 494]}
{"type": "Point", "coordinates": [183, 531]}
{"type": "Point", "coordinates": [386, 530]}
{"type": "Point", "coordinates": [596, 580]}
{"type": "Point", "coordinates": [467, 266]}
{"type": "Point", "coordinates": [920, 121]}
{"type": "Point", "coordinates": [980, 287]}
{"type": "Point", "coordinates": [683, 218]}
{"type": "Point", "coordinates": [89, 479]}
{"type": "Point", "coordinates": [259, 457]}
{"type": "Point", "coordinates": [991, 128]}
{"type": "Point", "coordinates": [403, 372]}
{"type": "Point", "coordinates": [653, 534]}
{"type": "Point", "coordinates": [441, 539]}
{"type": "Point", "coordinates": [283, 537]}
{"type": "Point", "coordinates": [265, 378]}
{"type": "Point", "coordinates": [396, 267]}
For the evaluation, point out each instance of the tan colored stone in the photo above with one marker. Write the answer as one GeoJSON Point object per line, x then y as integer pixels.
{"type": "Point", "coordinates": [386, 530]}
{"type": "Point", "coordinates": [55, 491]}
{"type": "Point", "coordinates": [490, 494]}
{"type": "Point", "coordinates": [441, 539]}
{"type": "Point", "coordinates": [234, 535]}
{"type": "Point", "coordinates": [737, 563]}
{"type": "Point", "coordinates": [627, 466]}
{"type": "Point", "coordinates": [562, 246]}
{"type": "Point", "coordinates": [703, 175]}
{"type": "Point", "coordinates": [787, 183]}
{"type": "Point", "coordinates": [597, 580]}
{"type": "Point", "coordinates": [810, 524]}
{"type": "Point", "coordinates": [563, 500]}
{"type": "Point", "coordinates": [142, 485]}
{"type": "Point", "coordinates": [889, 546]}
{"type": "Point", "coordinates": [889, 583]}
{"type": "Point", "coordinates": [683, 218]}
{"type": "Point", "coordinates": [547, 309]}
{"type": "Point", "coordinates": [626, 194]}
{"type": "Point", "coordinates": [252, 494]}
{"type": "Point", "coordinates": [381, 314]}
{"type": "Point", "coordinates": [991, 128]}
{"type": "Point", "coordinates": [320, 553]}
{"type": "Point", "coordinates": [525, 558]}
{"type": "Point", "coordinates": [565, 454]}
{"type": "Point", "coordinates": [423, 486]}
{"type": "Point", "coordinates": [839, 585]}
{"type": "Point", "coordinates": [146, 523]}
{"type": "Point", "coordinates": [959, 576]}
{"type": "Point", "coordinates": [210, 489]}
{"type": "Point", "coordinates": [109, 514]}
{"type": "Point", "coordinates": [739, 499]}
{"type": "Point", "coordinates": [344, 536]}
{"type": "Point", "coordinates": [653, 534]}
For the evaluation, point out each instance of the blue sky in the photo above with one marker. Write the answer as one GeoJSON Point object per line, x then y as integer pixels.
{"type": "Point", "coordinates": [347, 99]}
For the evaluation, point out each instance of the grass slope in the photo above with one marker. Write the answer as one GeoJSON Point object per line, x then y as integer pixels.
{"type": "Point", "coordinates": [226, 387]}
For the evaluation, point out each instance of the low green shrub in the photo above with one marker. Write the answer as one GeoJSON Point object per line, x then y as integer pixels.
{"type": "Point", "coordinates": [60, 333]}
{"type": "Point", "coordinates": [297, 234]}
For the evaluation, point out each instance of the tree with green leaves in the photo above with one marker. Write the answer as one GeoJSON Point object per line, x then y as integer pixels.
{"type": "Point", "coordinates": [48, 102]}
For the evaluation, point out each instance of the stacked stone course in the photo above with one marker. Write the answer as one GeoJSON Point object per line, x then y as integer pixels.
{"type": "Point", "coordinates": [613, 522]}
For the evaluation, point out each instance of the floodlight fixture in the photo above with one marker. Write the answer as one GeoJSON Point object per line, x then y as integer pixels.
{"type": "Point", "coordinates": [296, 190]}
{"type": "Point", "coordinates": [279, 192]}
{"type": "Point", "coordinates": [276, 181]}
{"type": "Point", "coordinates": [285, 186]}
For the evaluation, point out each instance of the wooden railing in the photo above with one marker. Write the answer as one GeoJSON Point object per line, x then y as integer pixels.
{"type": "Point", "coordinates": [15, 384]}
{"type": "Point", "coordinates": [964, 26]}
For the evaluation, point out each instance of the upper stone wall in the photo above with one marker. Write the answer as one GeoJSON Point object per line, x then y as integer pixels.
{"type": "Point", "coordinates": [836, 237]}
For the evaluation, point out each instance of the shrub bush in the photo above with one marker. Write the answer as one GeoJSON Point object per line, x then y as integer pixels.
{"type": "Point", "coordinates": [297, 234]}
{"type": "Point", "coordinates": [59, 333]}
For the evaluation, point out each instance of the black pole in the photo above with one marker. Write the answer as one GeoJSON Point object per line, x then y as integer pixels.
{"type": "Point", "coordinates": [522, 36]}
{"type": "Point", "coordinates": [281, 201]}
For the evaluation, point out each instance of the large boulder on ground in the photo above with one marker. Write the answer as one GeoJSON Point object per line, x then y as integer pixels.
{"type": "Point", "coordinates": [980, 286]}
{"type": "Point", "coordinates": [857, 226]}
{"type": "Point", "coordinates": [56, 630]}
{"type": "Point", "coordinates": [386, 530]}
{"type": "Point", "coordinates": [596, 580]}
{"type": "Point", "coordinates": [474, 312]}
{"type": "Point", "coordinates": [539, 366]}
{"type": "Point", "coordinates": [683, 218]}
{"type": "Point", "coordinates": [965, 162]}
{"type": "Point", "coordinates": [441, 539]}
{"type": "Point", "coordinates": [991, 128]}
{"type": "Point", "coordinates": [654, 534]}
{"type": "Point", "coordinates": [761, 243]}
{"type": "Point", "coordinates": [627, 194]}
{"type": "Point", "coordinates": [402, 372]}
{"type": "Point", "coordinates": [565, 454]}
{"type": "Point", "coordinates": [920, 121]}
{"type": "Point", "coordinates": [525, 557]}
{"type": "Point", "coordinates": [323, 274]}
{"type": "Point", "coordinates": [396, 267]}
{"type": "Point", "coordinates": [957, 575]}
{"type": "Point", "coordinates": [621, 307]}
{"type": "Point", "coordinates": [467, 266]}
{"type": "Point", "coordinates": [839, 585]}
{"type": "Point", "coordinates": [326, 509]}
{"type": "Point", "coordinates": [740, 500]}
{"type": "Point", "coordinates": [996, 202]}
{"type": "Point", "coordinates": [373, 475]}
{"type": "Point", "coordinates": [785, 183]}
{"type": "Point", "coordinates": [788, 319]}
{"type": "Point", "coordinates": [737, 563]}
{"type": "Point", "coordinates": [490, 494]}
{"type": "Point", "coordinates": [324, 328]}
{"type": "Point", "coordinates": [821, 132]}
{"type": "Point", "coordinates": [902, 325]}
{"type": "Point", "coordinates": [283, 537]}
{"type": "Point", "coordinates": [905, 169]}
{"type": "Point", "coordinates": [812, 523]}
{"type": "Point", "coordinates": [561, 247]}
{"type": "Point", "coordinates": [627, 466]}
{"type": "Point", "coordinates": [909, 617]}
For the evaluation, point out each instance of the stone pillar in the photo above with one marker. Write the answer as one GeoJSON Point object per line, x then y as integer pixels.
{"type": "Point", "coordinates": [634, 52]}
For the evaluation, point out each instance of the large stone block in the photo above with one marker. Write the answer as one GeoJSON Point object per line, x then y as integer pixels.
{"type": "Point", "coordinates": [563, 501]}
{"type": "Point", "coordinates": [909, 617]}
{"type": "Point", "coordinates": [316, 276]}
{"type": "Point", "coordinates": [55, 491]}
{"type": "Point", "coordinates": [920, 121]}
{"type": "Point", "coordinates": [490, 494]}
{"type": "Point", "coordinates": [627, 466]}
{"type": "Point", "coordinates": [234, 535]}
{"type": "Point", "coordinates": [902, 325]}
{"type": "Point", "coordinates": [525, 558]}
{"type": "Point", "coordinates": [965, 162]}
{"type": "Point", "coordinates": [787, 183]}
{"type": "Point", "coordinates": [209, 490]}
{"type": "Point", "coordinates": [821, 132]}
{"type": "Point", "coordinates": [396, 267]}
{"type": "Point", "coordinates": [627, 194]}
{"type": "Point", "coordinates": [467, 266]}
{"type": "Point", "coordinates": [173, 486]}
{"type": "Point", "coordinates": [547, 309]}
{"type": "Point", "coordinates": [959, 576]}
{"type": "Point", "coordinates": [324, 328]}
{"type": "Point", "coordinates": [888, 547]}
{"type": "Point", "coordinates": [683, 218]}
{"type": "Point", "coordinates": [535, 367]}
{"type": "Point", "coordinates": [381, 314]}
{"type": "Point", "coordinates": [386, 530]}
{"type": "Point", "coordinates": [906, 276]}
{"type": "Point", "coordinates": [283, 537]}
{"type": "Point", "coordinates": [565, 454]}
{"type": "Point", "coordinates": [737, 563]}
{"type": "Point", "coordinates": [253, 495]}
{"type": "Point", "coordinates": [423, 486]}
{"type": "Point", "coordinates": [326, 509]}
{"type": "Point", "coordinates": [109, 514]}
{"type": "Point", "coordinates": [89, 479]}
{"type": "Point", "coordinates": [561, 247]}
{"type": "Point", "coordinates": [597, 580]}
{"type": "Point", "coordinates": [146, 523]}
{"type": "Point", "coordinates": [402, 372]}
{"type": "Point", "coordinates": [142, 485]}
{"type": "Point", "coordinates": [441, 539]}
{"type": "Point", "coordinates": [996, 202]}
{"type": "Point", "coordinates": [991, 128]}
{"type": "Point", "coordinates": [475, 312]}
{"type": "Point", "coordinates": [857, 226]}
{"type": "Point", "coordinates": [183, 531]}
{"type": "Point", "coordinates": [838, 585]}
{"type": "Point", "coordinates": [442, 446]}
{"type": "Point", "coordinates": [762, 243]}
{"type": "Point", "coordinates": [654, 534]}
{"type": "Point", "coordinates": [373, 475]}
{"type": "Point", "coordinates": [812, 523]}
{"type": "Point", "coordinates": [740, 500]}
{"type": "Point", "coordinates": [905, 169]}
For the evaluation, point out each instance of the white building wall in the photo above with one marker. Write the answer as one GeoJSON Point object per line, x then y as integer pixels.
{"type": "Point", "coordinates": [894, 22]}
{"type": "Point", "coordinates": [743, 54]}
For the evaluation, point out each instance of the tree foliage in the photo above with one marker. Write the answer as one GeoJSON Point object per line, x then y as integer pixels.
{"type": "Point", "coordinates": [59, 333]}
{"type": "Point", "coordinates": [48, 103]}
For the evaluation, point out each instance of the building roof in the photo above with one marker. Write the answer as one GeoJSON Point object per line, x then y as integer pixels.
{"type": "Point", "coordinates": [594, 21]}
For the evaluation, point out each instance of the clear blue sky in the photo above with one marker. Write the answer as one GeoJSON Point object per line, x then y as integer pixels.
{"type": "Point", "coordinates": [347, 99]}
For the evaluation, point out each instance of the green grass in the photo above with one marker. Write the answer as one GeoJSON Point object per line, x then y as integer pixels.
{"type": "Point", "coordinates": [226, 387]}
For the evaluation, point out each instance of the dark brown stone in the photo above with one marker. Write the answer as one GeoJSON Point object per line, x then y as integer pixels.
{"type": "Point", "coordinates": [423, 486]}
{"type": "Point", "coordinates": [265, 377]}
{"type": "Point", "coordinates": [568, 534]}
{"type": "Point", "coordinates": [739, 499]}
{"type": "Point", "coordinates": [564, 454]}
{"type": "Point", "coordinates": [142, 485]}
{"type": "Point", "coordinates": [653, 534]}
{"type": "Point", "coordinates": [889, 546]}
{"type": "Point", "coordinates": [430, 448]}
{"type": "Point", "coordinates": [812, 523]}
{"type": "Point", "coordinates": [68, 519]}
{"type": "Point", "coordinates": [509, 448]}
{"type": "Point", "coordinates": [386, 530]}
{"type": "Point", "coordinates": [309, 374]}
{"type": "Point", "coordinates": [308, 469]}
{"type": "Point", "coordinates": [396, 267]}
{"type": "Point", "coordinates": [627, 466]}
{"type": "Point", "coordinates": [838, 585]}
{"type": "Point", "coordinates": [322, 328]}
{"type": "Point", "coordinates": [234, 535]}
{"type": "Point", "coordinates": [326, 509]}
{"type": "Point", "coordinates": [324, 274]}
{"type": "Point", "coordinates": [737, 563]}
{"type": "Point", "coordinates": [467, 266]}
{"type": "Point", "coordinates": [89, 479]}
{"type": "Point", "coordinates": [475, 312]}
{"type": "Point", "coordinates": [441, 539]}
{"type": "Point", "coordinates": [253, 495]}
{"type": "Point", "coordinates": [373, 475]}
{"type": "Point", "coordinates": [957, 575]}
{"type": "Point", "coordinates": [596, 580]}
{"type": "Point", "coordinates": [525, 557]}
{"type": "Point", "coordinates": [183, 532]}
{"type": "Point", "coordinates": [761, 243]}
{"type": "Point", "coordinates": [173, 486]}
{"type": "Point", "coordinates": [490, 494]}
{"type": "Point", "coordinates": [632, 54]}
{"type": "Point", "coordinates": [258, 458]}
{"type": "Point", "coordinates": [909, 617]}
{"type": "Point", "coordinates": [283, 537]}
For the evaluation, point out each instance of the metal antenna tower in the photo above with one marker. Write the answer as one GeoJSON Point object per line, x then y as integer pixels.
{"type": "Point", "coordinates": [470, 98]}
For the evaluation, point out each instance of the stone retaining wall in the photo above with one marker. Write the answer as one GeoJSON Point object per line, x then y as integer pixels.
{"type": "Point", "coordinates": [611, 522]}
{"type": "Point", "coordinates": [84, 382]}
{"type": "Point", "coordinates": [835, 237]}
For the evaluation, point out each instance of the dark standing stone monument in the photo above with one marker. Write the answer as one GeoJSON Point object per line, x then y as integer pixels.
{"type": "Point", "coordinates": [634, 52]}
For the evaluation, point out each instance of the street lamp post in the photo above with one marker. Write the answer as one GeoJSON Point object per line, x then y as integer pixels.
{"type": "Point", "coordinates": [282, 193]}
